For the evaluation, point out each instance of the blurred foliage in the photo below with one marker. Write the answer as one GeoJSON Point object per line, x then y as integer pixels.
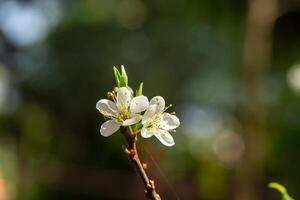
{"type": "Point", "coordinates": [281, 189]}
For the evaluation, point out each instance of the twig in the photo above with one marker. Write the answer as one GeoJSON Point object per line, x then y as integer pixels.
{"type": "Point", "coordinates": [149, 185]}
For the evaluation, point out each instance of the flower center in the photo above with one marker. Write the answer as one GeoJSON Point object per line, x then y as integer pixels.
{"type": "Point", "coordinates": [152, 122]}
{"type": "Point", "coordinates": [123, 115]}
{"type": "Point", "coordinates": [123, 112]}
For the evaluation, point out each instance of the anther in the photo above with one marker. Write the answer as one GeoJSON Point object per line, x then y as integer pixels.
{"type": "Point", "coordinates": [166, 108]}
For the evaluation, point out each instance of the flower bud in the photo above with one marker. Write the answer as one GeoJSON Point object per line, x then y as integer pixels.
{"type": "Point", "coordinates": [110, 96]}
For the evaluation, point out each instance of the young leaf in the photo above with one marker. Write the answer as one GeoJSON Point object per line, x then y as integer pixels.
{"type": "Point", "coordinates": [281, 189]}
{"type": "Point", "coordinates": [139, 91]}
{"type": "Point", "coordinates": [124, 75]}
{"type": "Point", "coordinates": [117, 76]}
{"type": "Point", "coordinates": [121, 78]}
{"type": "Point", "coordinates": [122, 82]}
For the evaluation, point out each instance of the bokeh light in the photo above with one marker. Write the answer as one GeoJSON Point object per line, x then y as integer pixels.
{"type": "Point", "coordinates": [293, 78]}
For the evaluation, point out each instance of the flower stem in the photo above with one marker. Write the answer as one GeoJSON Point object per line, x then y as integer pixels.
{"type": "Point", "coordinates": [149, 185]}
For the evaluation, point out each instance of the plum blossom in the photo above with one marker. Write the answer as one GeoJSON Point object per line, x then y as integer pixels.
{"type": "Point", "coordinates": [122, 111]}
{"type": "Point", "coordinates": [158, 123]}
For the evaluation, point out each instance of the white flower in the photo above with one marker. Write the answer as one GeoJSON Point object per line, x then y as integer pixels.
{"type": "Point", "coordinates": [158, 123]}
{"type": "Point", "coordinates": [121, 112]}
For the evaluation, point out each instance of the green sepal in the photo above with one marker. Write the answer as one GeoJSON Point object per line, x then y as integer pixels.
{"type": "Point", "coordinates": [137, 127]}
{"type": "Point", "coordinates": [139, 91]}
{"type": "Point", "coordinates": [281, 189]}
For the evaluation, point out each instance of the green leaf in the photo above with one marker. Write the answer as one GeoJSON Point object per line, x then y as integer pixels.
{"type": "Point", "coordinates": [121, 78]}
{"type": "Point", "coordinates": [139, 91]}
{"type": "Point", "coordinates": [117, 76]}
{"type": "Point", "coordinates": [281, 189]}
{"type": "Point", "coordinates": [124, 75]}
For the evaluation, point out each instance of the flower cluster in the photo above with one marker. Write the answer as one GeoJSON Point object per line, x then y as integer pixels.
{"type": "Point", "coordinates": [147, 117]}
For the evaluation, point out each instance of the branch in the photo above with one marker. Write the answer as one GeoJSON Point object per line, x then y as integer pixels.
{"type": "Point", "coordinates": [149, 185]}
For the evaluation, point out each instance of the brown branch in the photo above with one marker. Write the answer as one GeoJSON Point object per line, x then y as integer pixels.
{"type": "Point", "coordinates": [149, 185]}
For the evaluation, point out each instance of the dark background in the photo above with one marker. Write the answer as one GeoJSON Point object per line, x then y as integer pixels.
{"type": "Point", "coordinates": [239, 106]}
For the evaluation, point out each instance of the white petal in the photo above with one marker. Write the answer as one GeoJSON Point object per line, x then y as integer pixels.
{"type": "Point", "coordinates": [139, 104]}
{"type": "Point", "coordinates": [159, 101]}
{"type": "Point", "coordinates": [150, 112]}
{"type": "Point", "coordinates": [165, 138]}
{"type": "Point", "coordinates": [168, 121]}
{"type": "Point", "coordinates": [133, 120]}
{"type": "Point", "coordinates": [109, 127]}
{"type": "Point", "coordinates": [106, 107]}
{"type": "Point", "coordinates": [124, 97]}
{"type": "Point", "coordinates": [146, 133]}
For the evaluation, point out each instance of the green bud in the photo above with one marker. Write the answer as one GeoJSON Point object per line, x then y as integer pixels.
{"type": "Point", "coordinates": [139, 91]}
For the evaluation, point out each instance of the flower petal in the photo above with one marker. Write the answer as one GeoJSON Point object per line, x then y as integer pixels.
{"type": "Point", "coordinates": [124, 97]}
{"type": "Point", "coordinates": [150, 112]}
{"type": "Point", "coordinates": [168, 121]}
{"type": "Point", "coordinates": [146, 133]}
{"type": "Point", "coordinates": [139, 104]}
{"type": "Point", "coordinates": [107, 107]}
{"type": "Point", "coordinates": [133, 120]}
{"type": "Point", "coordinates": [165, 138]}
{"type": "Point", "coordinates": [160, 102]}
{"type": "Point", "coordinates": [109, 127]}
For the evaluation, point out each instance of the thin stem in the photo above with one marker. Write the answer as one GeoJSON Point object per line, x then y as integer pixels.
{"type": "Point", "coordinates": [149, 185]}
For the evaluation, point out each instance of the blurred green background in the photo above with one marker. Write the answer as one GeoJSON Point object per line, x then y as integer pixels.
{"type": "Point", "coordinates": [230, 68]}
